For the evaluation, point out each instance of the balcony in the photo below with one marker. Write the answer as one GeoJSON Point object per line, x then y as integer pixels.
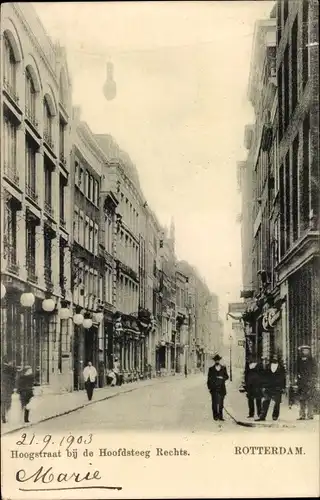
{"type": "Point", "coordinates": [48, 210]}
{"type": "Point", "coordinates": [62, 222]}
{"type": "Point", "coordinates": [31, 193]}
{"type": "Point", "coordinates": [12, 263]}
{"type": "Point", "coordinates": [10, 172]}
{"type": "Point", "coordinates": [10, 90]}
{"type": "Point", "coordinates": [30, 116]}
{"type": "Point", "coordinates": [31, 268]}
{"type": "Point", "coordinates": [47, 137]}
{"type": "Point", "coordinates": [63, 159]}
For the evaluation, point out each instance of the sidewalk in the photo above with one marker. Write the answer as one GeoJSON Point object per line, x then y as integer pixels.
{"type": "Point", "coordinates": [236, 405]}
{"type": "Point", "coordinates": [49, 406]}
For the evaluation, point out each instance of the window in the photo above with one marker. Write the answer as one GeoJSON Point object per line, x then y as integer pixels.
{"type": "Point", "coordinates": [11, 235]}
{"type": "Point", "coordinates": [305, 40]}
{"type": "Point", "coordinates": [30, 98]}
{"type": "Point", "coordinates": [96, 239]}
{"type": "Point", "coordinates": [285, 10]}
{"type": "Point", "coordinates": [294, 65]}
{"type": "Point", "coordinates": [87, 185]}
{"type": "Point", "coordinates": [62, 281]}
{"type": "Point", "coordinates": [62, 128]}
{"type": "Point", "coordinates": [86, 233]}
{"type": "Point", "coordinates": [62, 186]}
{"type": "Point", "coordinates": [81, 230]}
{"type": "Point", "coordinates": [90, 236]}
{"type": "Point", "coordinates": [47, 133]}
{"type": "Point", "coordinates": [30, 170]}
{"type": "Point", "coordinates": [47, 257]}
{"type": "Point", "coordinates": [81, 179]}
{"type": "Point", "coordinates": [31, 248]}
{"type": "Point", "coordinates": [10, 147]}
{"type": "Point", "coordinates": [286, 87]}
{"type": "Point", "coordinates": [76, 224]}
{"type": "Point", "coordinates": [287, 201]}
{"type": "Point", "coordinates": [9, 67]}
{"type": "Point", "coordinates": [47, 187]}
{"type": "Point", "coordinates": [294, 181]}
{"type": "Point", "coordinates": [97, 192]}
{"type": "Point", "coordinates": [305, 176]}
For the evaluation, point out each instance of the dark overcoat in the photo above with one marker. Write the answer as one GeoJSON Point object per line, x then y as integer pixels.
{"type": "Point", "coordinates": [217, 380]}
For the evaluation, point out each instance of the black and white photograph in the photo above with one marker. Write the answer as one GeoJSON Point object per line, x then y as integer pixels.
{"type": "Point", "coordinates": [160, 259]}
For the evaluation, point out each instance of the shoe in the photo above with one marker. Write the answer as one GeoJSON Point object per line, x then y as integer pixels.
{"type": "Point", "coordinates": [221, 419]}
{"type": "Point", "coordinates": [260, 419]}
{"type": "Point", "coordinates": [274, 418]}
{"type": "Point", "coordinates": [215, 418]}
{"type": "Point", "coordinates": [250, 416]}
{"type": "Point", "coordinates": [301, 418]}
{"type": "Point", "coordinates": [310, 418]}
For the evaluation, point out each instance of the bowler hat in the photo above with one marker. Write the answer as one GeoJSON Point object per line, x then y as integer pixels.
{"type": "Point", "coordinates": [217, 357]}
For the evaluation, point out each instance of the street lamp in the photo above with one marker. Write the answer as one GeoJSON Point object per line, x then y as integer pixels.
{"type": "Point", "coordinates": [48, 305]}
{"type": "Point", "coordinates": [27, 299]}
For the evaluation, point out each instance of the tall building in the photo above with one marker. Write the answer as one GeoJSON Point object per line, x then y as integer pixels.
{"type": "Point", "coordinates": [87, 263]}
{"type": "Point", "coordinates": [279, 183]}
{"type": "Point", "coordinates": [297, 229]}
{"type": "Point", "coordinates": [35, 180]}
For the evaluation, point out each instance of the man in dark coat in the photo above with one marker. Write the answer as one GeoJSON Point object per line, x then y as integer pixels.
{"type": "Point", "coordinates": [25, 390]}
{"type": "Point", "coordinates": [253, 383]}
{"type": "Point", "coordinates": [8, 377]}
{"type": "Point", "coordinates": [216, 383]}
{"type": "Point", "coordinates": [273, 385]}
{"type": "Point", "coordinates": [307, 380]}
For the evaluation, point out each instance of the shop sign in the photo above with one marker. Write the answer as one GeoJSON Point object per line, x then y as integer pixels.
{"type": "Point", "coordinates": [270, 318]}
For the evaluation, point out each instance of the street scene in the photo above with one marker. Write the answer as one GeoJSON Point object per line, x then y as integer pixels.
{"type": "Point", "coordinates": [160, 218]}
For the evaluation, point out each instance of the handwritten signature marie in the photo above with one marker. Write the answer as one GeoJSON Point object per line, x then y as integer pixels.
{"type": "Point", "coordinates": [52, 479]}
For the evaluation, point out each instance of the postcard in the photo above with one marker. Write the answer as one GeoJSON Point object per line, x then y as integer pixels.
{"type": "Point", "coordinates": [160, 250]}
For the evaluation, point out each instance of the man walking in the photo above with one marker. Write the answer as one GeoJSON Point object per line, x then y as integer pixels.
{"type": "Point", "coordinates": [252, 379]}
{"type": "Point", "coordinates": [90, 377]}
{"type": "Point", "coordinates": [8, 376]}
{"type": "Point", "coordinates": [273, 385]}
{"type": "Point", "coordinates": [307, 379]}
{"type": "Point", "coordinates": [216, 383]}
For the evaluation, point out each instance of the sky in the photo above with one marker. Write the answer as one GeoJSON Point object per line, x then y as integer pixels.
{"type": "Point", "coordinates": [181, 70]}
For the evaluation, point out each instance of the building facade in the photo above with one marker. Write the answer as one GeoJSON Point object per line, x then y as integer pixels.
{"type": "Point", "coordinates": [280, 182]}
{"type": "Point", "coordinates": [35, 175]}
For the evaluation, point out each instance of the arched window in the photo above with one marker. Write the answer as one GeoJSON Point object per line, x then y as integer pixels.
{"type": "Point", "coordinates": [9, 66]}
{"type": "Point", "coordinates": [30, 97]}
{"type": "Point", "coordinates": [47, 122]}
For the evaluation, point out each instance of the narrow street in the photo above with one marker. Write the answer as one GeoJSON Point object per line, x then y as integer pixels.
{"type": "Point", "coordinates": [174, 405]}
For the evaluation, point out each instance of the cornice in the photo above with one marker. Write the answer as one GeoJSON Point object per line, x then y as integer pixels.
{"type": "Point", "coordinates": [35, 42]}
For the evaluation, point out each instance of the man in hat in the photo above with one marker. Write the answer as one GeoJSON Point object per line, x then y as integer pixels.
{"type": "Point", "coordinates": [216, 383]}
{"type": "Point", "coordinates": [307, 379]}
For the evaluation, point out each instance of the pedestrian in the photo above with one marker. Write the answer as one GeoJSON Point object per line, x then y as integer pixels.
{"type": "Point", "coordinates": [90, 376]}
{"type": "Point", "coordinates": [117, 371]}
{"type": "Point", "coordinates": [8, 378]}
{"type": "Point", "coordinates": [252, 382]}
{"type": "Point", "coordinates": [307, 380]}
{"type": "Point", "coordinates": [273, 385]}
{"type": "Point", "coordinates": [25, 390]}
{"type": "Point", "coordinates": [216, 383]}
{"type": "Point", "coordinates": [185, 371]}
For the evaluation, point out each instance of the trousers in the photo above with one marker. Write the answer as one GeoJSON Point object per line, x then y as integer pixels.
{"type": "Point", "coordinates": [252, 400]}
{"type": "Point", "coordinates": [217, 400]}
{"type": "Point", "coordinates": [306, 406]}
{"type": "Point", "coordinates": [89, 388]}
{"type": "Point", "coordinates": [276, 397]}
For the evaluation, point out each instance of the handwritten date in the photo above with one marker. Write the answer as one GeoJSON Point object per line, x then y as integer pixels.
{"type": "Point", "coordinates": [65, 441]}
